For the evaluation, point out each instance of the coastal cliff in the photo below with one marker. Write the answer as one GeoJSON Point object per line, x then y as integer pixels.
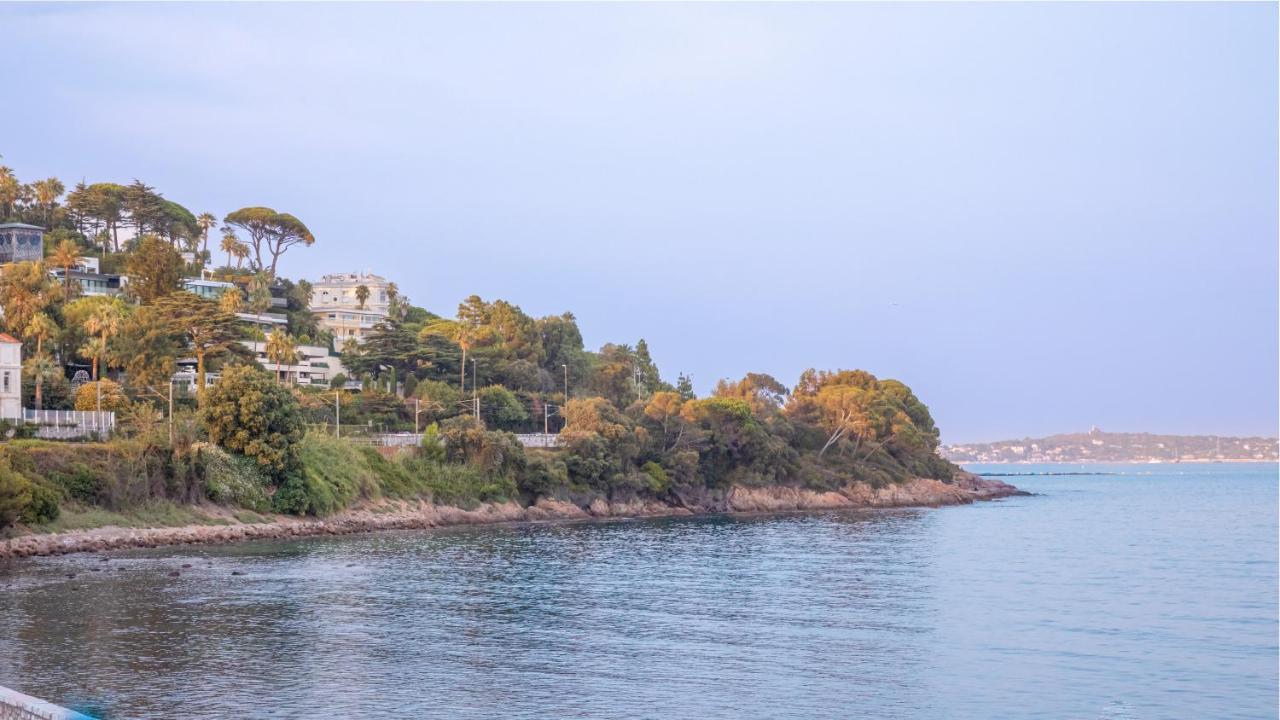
{"type": "Point", "coordinates": [414, 515]}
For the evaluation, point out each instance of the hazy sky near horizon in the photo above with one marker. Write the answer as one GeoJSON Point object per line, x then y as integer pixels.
{"type": "Point", "coordinates": [1040, 216]}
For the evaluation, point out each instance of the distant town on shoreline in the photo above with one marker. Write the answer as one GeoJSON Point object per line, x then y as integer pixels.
{"type": "Point", "coordinates": [1099, 446]}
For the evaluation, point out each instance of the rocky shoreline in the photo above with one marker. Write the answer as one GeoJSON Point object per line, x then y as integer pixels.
{"type": "Point", "coordinates": [394, 515]}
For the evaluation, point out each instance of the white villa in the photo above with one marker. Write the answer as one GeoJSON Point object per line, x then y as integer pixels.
{"type": "Point", "coordinates": [334, 303]}
{"type": "Point", "coordinates": [10, 377]}
{"type": "Point", "coordinates": [315, 365]}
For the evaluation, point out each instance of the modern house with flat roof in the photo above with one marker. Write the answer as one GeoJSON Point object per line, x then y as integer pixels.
{"type": "Point", "coordinates": [207, 289]}
{"type": "Point", "coordinates": [336, 306]}
{"type": "Point", "coordinates": [20, 242]}
{"type": "Point", "coordinates": [94, 283]}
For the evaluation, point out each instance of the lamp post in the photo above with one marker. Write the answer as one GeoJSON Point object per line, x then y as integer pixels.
{"type": "Point", "coordinates": [337, 414]}
{"type": "Point", "coordinates": [170, 412]}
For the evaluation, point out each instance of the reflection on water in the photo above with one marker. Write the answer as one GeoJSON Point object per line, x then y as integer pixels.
{"type": "Point", "coordinates": [1107, 596]}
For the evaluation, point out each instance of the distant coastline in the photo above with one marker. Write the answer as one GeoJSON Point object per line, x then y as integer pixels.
{"type": "Point", "coordinates": [1097, 446]}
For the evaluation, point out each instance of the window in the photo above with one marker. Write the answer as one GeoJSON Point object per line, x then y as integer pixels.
{"type": "Point", "coordinates": [6, 381]}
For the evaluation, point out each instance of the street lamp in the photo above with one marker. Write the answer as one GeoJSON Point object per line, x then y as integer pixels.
{"type": "Point", "coordinates": [475, 390]}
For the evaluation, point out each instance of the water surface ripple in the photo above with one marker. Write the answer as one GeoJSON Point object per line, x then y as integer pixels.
{"type": "Point", "coordinates": [1147, 594]}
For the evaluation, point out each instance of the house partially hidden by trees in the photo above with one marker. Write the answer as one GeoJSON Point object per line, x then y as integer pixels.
{"type": "Point", "coordinates": [350, 304]}
{"type": "Point", "coordinates": [20, 242]}
{"type": "Point", "coordinates": [10, 378]}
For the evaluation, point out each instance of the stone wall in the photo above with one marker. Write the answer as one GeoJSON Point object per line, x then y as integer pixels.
{"type": "Point", "coordinates": [16, 706]}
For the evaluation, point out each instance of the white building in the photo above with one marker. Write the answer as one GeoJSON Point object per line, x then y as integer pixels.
{"type": "Point", "coordinates": [315, 365]}
{"type": "Point", "coordinates": [10, 377]}
{"type": "Point", "coordinates": [207, 289]}
{"type": "Point", "coordinates": [339, 310]}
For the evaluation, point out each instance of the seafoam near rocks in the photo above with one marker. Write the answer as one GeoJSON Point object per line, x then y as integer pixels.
{"type": "Point", "coordinates": [397, 515]}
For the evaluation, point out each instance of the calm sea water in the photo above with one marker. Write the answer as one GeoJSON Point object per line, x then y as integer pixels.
{"type": "Point", "coordinates": [1147, 594]}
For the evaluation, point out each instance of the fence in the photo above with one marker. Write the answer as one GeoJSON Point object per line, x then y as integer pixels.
{"type": "Point", "coordinates": [539, 440]}
{"type": "Point", "coordinates": [70, 424]}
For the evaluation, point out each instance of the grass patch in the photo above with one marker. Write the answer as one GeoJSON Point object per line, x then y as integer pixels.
{"type": "Point", "coordinates": [156, 513]}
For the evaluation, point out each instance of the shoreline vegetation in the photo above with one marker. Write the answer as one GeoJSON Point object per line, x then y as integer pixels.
{"type": "Point", "coordinates": [256, 442]}
{"type": "Point", "coordinates": [220, 527]}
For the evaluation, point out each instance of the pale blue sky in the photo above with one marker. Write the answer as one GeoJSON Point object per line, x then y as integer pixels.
{"type": "Point", "coordinates": [1041, 217]}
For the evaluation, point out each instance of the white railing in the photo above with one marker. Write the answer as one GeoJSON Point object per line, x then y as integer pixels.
{"type": "Point", "coordinates": [70, 424]}
{"type": "Point", "coordinates": [539, 440]}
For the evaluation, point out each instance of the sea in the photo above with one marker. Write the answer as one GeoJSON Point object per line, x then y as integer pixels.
{"type": "Point", "coordinates": [1112, 591]}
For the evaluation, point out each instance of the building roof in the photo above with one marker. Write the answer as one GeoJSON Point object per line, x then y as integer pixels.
{"type": "Point", "coordinates": [24, 226]}
{"type": "Point", "coordinates": [7, 338]}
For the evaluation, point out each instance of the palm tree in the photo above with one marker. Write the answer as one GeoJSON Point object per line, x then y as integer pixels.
{"type": "Point", "coordinates": [41, 366]}
{"type": "Point", "coordinates": [206, 221]}
{"type": "Point", "coordinates": [47, 193]}
{"type": "Point", "coordinates": [101, 325]}
{"type": "Point", "coordinates": [231, 301]}
{"type": "Point", "coordinates": [362, 295]}
{"type": "Point", "coordinates": [241, 251]}
{"type": "Point", "coordinates": [66, 256]}
{"type": "Point", "coordinates": [10, 191]}
{"type": "Point", "coordinates": [229, 243]}
{"type": "Point", "coordinates": [282, 350]}
{"type": "Point", "coordinates": [41, 327]}
{"type": "Point", "coordinates": [464, 335]}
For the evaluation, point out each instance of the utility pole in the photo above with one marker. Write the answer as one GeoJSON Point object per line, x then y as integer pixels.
{"type": "Point", "coordinates": [475, 390]}
{"type": "Point", "coordinates": [337, 414]}
{"type": "Point", "coordinates": [566, 382]}
{"type": "Point", "coordinates": [546, 419]}
{"type": "Point", "coordinates": [171, 412]}
{"type": "Point", "coordinates": [417, 410]}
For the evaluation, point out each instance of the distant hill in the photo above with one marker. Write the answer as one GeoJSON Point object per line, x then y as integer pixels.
{"type": "Point", "coordinates": [1098, 446]}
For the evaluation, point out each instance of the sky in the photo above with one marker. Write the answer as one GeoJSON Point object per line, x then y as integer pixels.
{"type": "Point", "coordinates": [1042, 217]}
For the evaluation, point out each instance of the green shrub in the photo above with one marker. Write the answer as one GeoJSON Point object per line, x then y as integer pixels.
{"type": "Point", "coordinates": [544, 475]}
{"type": "Point", "coordinates": [15, 494]}
{"type": "Point", "coordinates": [249, 413]}
{"type": "Point", "coordinates": [232, 479]}
{"type": "Point", "coordinates": [659, 481]}
{"type": "Point", "coordinates": [42, 507]}
{"type": "Point", "coordinates": [79, 483]}
{"type": "Point", "coordinates": [333, 474]}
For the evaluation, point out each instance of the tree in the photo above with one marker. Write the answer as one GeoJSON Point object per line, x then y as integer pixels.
{"type": "Point", "coordinates": [500, 409]}
{"type": "Point", "coordinates": [41, 327]}
{"type": "Point", "coordinates": [154, 268]}
{"type": "Point", "coordinates": [465, 333]}
{"type": "Point", "coordinates": [25, 289]}
{"type": "Point", "coordinates": [146, 347]}
{"type": "Point", "coordinates": [229, 243]}
{"type": "Point", "coordinates": [231, 301]}
{"type": "Point", "coordinates": [271, 234]}
{"type": "Point", "coordinates": [10, 191]}
{"type": "Point", "coordinates": [241, 251]}
{"type": "Point", "coordinates": [762, 392]}
{"type": "Point", "coordinates": [40, 367]}
{"type": "Point", "coordinates": [282, 350]}
{"type": "Point", "coordinates": [66, 256]}
{"type": "Point", "coordinates": [146, 208]}
{"type": "Point", "coordinates": [112, 396]}
{"type": "Point", "coordinates": [208, 329]}
{"type": "Point", "coordinates": [362, 295]}
{"type": "Point", "coordinates": [248, 413]}
{"type": "Point", "coordinates": [205, 221]}
{"type": "Point", "coordinates": [47, 193]}
{"type": "Point", "coordinates": [101, 325]}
